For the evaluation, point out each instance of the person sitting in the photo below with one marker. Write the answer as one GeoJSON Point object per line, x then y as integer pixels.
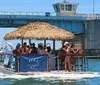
{"type": "Point", "coordinates": [48, 49]}
{"type": "Point", "coordinates": [23, 48]}
{"type": "Point", "coordinates": [26, 49]}
{"type": "Point", "coordinates": [40, 49]}
{"type": "Point", "coordinates": [34, 49]}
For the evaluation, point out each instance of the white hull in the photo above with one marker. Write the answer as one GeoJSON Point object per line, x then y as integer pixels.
{"type": "Point", "coordinates": [52, 75]}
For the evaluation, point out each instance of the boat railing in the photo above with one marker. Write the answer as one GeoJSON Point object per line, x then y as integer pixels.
{"type": "Point", "coordinates": [81, 61]}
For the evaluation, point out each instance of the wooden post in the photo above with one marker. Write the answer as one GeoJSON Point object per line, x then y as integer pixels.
{"type": "Point", "coordinates": [53, 45]}
{"type": "Point", "coordinates": [29, 41]}
{"type": "Point", "coordinates": [48, 63]}
{"type": "Point", "coordinates": [63, 43]}
{"type": "Point", "coordinates": [57, 63]}
{"type": "Point", "coordinates": [44, 43]}
{"type": "Point", "coordinates": [22, 41]}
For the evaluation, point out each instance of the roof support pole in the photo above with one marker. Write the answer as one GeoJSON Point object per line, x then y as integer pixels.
{"type": "Point", "coordinates": [44, 43]}
{"type": "Point", "coordinates": [29, 41]}
{"type": "Point", "coordinates": [53, 44]}
{"type": "Point", "coordinates": [63, 43]}
{"type": "Point", "coordinates": [22, 41]}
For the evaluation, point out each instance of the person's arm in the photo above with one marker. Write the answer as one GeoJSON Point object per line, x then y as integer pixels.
{"type": "Point", "coordinates": [68, 49]}
{"type": "Point", "coordinates": [30, 50]}
{"type": "Point", "coordinates": [64, 49]}
{"type": "Point", "coordinates": [73, 50]}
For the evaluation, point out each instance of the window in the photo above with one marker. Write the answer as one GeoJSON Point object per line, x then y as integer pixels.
{"type": "Point", "coordinates": [69, 7]}
{"type": "Point", "coordinates": [62, 7]}
{"type": "Point", "coordinates": [66, 7]}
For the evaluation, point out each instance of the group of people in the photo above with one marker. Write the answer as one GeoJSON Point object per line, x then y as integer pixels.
{"type": "Point", "coordinates": [65, 52]}
{"type": "Point", "coordinates": [32, 49]}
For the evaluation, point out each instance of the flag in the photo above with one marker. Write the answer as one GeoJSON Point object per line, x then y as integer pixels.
{"type": "Point", "coordinates": [9, 59]}
{"type": "Point", "coordinates": [8, 47]}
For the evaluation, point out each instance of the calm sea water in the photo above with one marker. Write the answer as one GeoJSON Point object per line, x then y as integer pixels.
{"type": "Point", "coordinates": [94, 66]}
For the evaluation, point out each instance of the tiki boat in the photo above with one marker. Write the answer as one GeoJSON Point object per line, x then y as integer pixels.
{"type": "Point", "coordinates": [43, 65]}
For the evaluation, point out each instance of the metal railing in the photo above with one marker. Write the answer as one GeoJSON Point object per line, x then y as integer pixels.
{"type": "Point", "coordinates": [89, 16]}
{"type": "Point", "coordinates": [27, 13]}
{"type": "Point", "coordinates": [35, 13]}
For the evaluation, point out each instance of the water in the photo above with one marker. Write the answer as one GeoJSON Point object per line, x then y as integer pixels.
{"type": "Point", "coordinates": [31, 81]}
{"type": "Point", "coordinates": [94, 66]}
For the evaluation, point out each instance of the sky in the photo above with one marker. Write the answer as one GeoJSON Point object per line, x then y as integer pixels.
{"type": "Point", "coordinates": [85, 6]}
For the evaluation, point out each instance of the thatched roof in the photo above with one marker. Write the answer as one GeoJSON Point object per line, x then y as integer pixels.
{"type": "Point", "coordinates": [40, 30]}
{"type": "Point", "coordinates": [12, 35]}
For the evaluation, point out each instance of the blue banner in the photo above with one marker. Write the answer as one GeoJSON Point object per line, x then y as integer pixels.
{"type": "Point", "coordinates": [33, 63]}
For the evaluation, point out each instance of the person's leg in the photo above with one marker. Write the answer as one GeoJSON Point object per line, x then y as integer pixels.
{"type": "Point", "coordinates": [73, 63]}
{"type": "Point", "coordinates": [68, 64]}
{"type": "Point", "coordinates": [65, 63]}
{"type": "Point", "coordinates": [49, 65]}
{"type": "Point", "coordinates": [16, 66]}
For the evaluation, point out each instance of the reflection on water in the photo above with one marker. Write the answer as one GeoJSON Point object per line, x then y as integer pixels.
{"type": "Point", "coordinates": [93, 81]}
{"type": "Point", "coordinates": [31, 81]}
{"type": "Point", "coordinates": [6, 81]}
